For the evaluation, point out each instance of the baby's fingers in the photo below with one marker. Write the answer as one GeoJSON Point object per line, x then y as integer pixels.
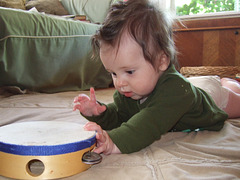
{"type": "Point", "coordinates": [100, 149]}
{"type": "Point", "coordinates": [92, 126]}
{"type": "Point", "coordinates": [92, 95]}
{"type": "Point", "coordinates": [77, 106]}
{"type": "Point", "coordinates": [81, 97]}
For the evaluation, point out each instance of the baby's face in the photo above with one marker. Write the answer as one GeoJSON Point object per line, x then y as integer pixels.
{"type": "Point", "coordinates": [132, 75]}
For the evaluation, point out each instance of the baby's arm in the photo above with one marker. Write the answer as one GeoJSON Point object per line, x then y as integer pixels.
{"type": "Point", "coordinates": [88, 106]}
{"type": "Point", "coordinates": [104, 142]}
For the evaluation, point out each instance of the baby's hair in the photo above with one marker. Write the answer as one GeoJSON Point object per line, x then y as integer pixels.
{"type": "Point", "coordinates": [150, 27]}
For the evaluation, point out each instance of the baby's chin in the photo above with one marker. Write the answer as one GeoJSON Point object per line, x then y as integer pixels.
{"type": "Point", "coordinates": [137, 97]}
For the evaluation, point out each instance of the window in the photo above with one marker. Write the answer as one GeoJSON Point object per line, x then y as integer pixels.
{"type": "Point", "coordinates": [191, 7]}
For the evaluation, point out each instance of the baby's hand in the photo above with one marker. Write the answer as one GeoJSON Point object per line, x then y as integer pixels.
{"type": "Point", "coordinates": [105, 144]}
{"type": "Point", "coordinates": [88, 106]}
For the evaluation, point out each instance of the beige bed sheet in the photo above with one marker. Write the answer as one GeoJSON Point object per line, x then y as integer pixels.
{"type": "Point", "coordinates": [177, 155]}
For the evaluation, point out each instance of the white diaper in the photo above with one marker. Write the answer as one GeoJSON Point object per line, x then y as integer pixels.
{"type": "Point", "coordinates": [212, 85]}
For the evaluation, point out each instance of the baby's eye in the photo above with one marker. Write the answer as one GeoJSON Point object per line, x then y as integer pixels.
{"type": "Point", "coordinates": [113, 74]}
{"type": "Point", "coordinates": [130, 72]}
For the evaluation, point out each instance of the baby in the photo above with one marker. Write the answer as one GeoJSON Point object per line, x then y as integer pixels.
{"type": "Point", "coordinates": [135, 45]}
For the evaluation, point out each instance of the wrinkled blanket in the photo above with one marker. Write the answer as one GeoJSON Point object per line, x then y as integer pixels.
{"type": "Point", "coordinates": [177, 155]}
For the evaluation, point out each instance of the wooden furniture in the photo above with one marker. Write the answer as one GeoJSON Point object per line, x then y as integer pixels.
{"type": "Point", "coordinates": [208, 40]}
{"type": "Point", "coordinates": [221, 71]}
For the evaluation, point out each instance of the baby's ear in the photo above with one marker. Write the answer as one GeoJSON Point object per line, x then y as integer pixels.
{"type": "Point", "coordinates": [164, 62]}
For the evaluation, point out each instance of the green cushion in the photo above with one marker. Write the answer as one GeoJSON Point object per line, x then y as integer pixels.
{"type": "Point", "coordinates": [95, 10]}
{"type": "Point", "coordinates": [48, 54]}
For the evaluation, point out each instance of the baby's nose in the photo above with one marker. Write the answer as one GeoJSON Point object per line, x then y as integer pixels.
{"type": "Point", "coordinates": [120, 82]}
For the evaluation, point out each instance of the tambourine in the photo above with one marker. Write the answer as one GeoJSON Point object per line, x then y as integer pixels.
{"type": "Point", "coordinates": [45, 150]}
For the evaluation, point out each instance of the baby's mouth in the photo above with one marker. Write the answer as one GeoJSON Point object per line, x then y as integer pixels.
{"type": "Point", "coordinates": [128, 94]}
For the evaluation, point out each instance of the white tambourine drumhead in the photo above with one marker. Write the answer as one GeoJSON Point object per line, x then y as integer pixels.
{"type": "Point", "coordinates": [44, 138]}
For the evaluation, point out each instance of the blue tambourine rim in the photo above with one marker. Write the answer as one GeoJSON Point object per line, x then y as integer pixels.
{"type": "Point", "coordinates": [47, 150]}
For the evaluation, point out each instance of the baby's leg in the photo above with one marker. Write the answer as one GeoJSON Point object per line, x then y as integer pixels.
{"type": "Point", "coordinates": [231, 84]}
{"type": "Point", "coordinates": [226, 94]}
{"type": "Point", "coordinates": [233, 106]}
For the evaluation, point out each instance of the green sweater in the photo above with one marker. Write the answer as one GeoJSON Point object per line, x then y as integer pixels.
{"type": "Point", "coordinates": [174, 105]}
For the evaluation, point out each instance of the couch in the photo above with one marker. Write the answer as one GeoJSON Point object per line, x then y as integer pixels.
{"type": "Point", "coordinates": [48, 53]}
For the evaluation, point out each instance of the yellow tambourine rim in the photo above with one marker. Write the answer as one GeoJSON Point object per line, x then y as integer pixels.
{"type": "Point", "coordinates": [51, 167]}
